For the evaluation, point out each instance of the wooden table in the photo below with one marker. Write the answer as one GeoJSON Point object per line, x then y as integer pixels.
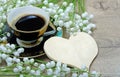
{"type": "Point", "coordinates": [107, 36]}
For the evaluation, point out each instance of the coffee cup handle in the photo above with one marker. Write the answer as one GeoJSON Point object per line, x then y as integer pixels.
{"type": "Point", "coordinates": [52, 32]}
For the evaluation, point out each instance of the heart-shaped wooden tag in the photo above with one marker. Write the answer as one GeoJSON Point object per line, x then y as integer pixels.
{"type": "Point", "coordinates": [76, 51]}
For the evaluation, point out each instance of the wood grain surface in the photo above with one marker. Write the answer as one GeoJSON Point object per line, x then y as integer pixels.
{"type": "Point", "coordinates": [107, 36]}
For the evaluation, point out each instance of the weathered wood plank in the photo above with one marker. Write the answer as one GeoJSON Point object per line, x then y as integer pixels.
{"type": "Point", "coordinates": [107, 36]}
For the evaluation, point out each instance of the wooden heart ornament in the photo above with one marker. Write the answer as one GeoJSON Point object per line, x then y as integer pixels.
{"type": "Point", "coordinates": [76, 51]}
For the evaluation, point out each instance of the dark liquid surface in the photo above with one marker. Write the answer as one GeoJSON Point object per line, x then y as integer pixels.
{"type": "Point", "coordinates": [30, 23]}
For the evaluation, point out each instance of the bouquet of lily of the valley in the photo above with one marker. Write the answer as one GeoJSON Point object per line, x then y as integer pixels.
{"type": "Point", "coordinates": [68, 14]}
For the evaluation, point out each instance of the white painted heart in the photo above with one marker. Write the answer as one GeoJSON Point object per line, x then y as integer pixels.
{"type": "Point", "coordinates": [76, 51]}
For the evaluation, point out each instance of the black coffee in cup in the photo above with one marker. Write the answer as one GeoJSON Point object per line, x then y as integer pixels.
{"type": "Point", "coordinates": [30, 23]}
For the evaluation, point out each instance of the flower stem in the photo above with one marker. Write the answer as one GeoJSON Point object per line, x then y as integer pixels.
{"type": "Point", "coordinates": [40, 61]}
{"type": "Point", "coordinates": [81, 6]}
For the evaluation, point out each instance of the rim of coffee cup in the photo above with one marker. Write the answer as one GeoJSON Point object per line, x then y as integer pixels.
{"type": "Point", "coordinates": [13, 17]}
